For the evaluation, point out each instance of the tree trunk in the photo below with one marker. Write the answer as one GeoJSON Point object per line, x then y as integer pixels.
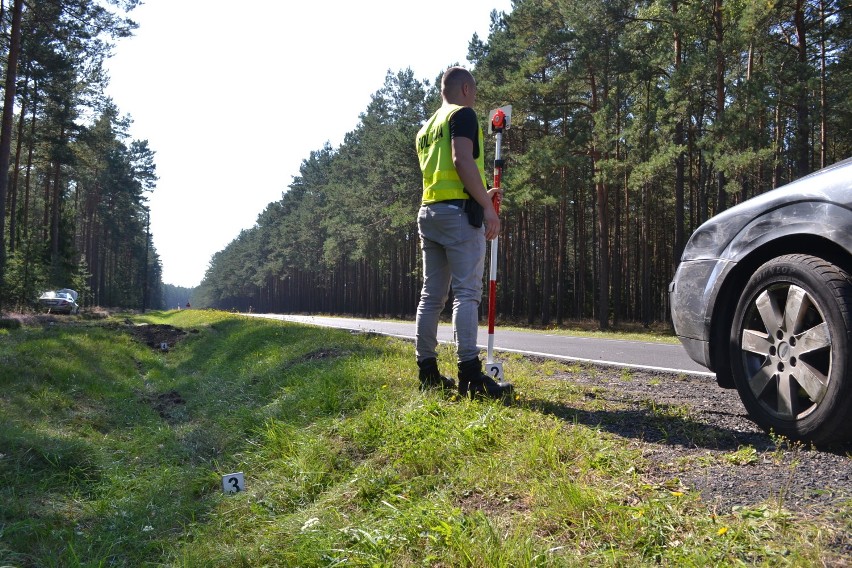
{"type": "Point", "coordinates": [602, 192]}
{"type": "Point", "coordinates": [530, 269]}
{"type": "Point", "coordinates": [823, 102]}
{"type": "Point", "coordinates": [580, 259]}
{"type": "Point", "coordinates": [27, 175]}
{"type": "Point", "coordinates": [562, 251]}
{"type": "Point", "coordinates": [802, 118]}
{"type": "Point", "coordinates": [680, 238]}
{"type": "Point", "coordinates": [546, 270]}
{"type": "Point", "coordinates": [13, 202]}
{"type": "Point", "coordinates": [646, 255]}
{"type": "Point", "coordinates": [518, 254]}
{"type": "Point", "coordinates": [6, 124]}
{"type": "Point", "coordinates": [55, 210]}
{"type": "Point", "coordinates": [721, 201]}
{"type": "Point", "coordinates": [617, 253]}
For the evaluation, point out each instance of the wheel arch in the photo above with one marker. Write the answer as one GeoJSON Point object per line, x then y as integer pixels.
{"type": "Point", "coordinates": [799, 243]}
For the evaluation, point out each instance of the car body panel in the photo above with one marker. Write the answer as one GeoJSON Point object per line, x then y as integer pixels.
{"type": "Point", "coordinates": [830, 185]}
{"type": "Point", "coordinates": [692, 294]}
{"type": "Point", "coordinates": [818, 206]}
{"type": "Point", "coordinates": [830, 221]}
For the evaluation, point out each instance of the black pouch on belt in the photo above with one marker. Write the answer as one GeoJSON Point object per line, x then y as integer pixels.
{"type": "Point", "coordinates": [475, 212]}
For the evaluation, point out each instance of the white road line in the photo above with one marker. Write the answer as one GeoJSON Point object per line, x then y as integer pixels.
{"type": "Point", "coordinates": [303, 319]}
{"type": "Point", "coordinates": [609, 363]}
{"type": "Point", "coordinates": [568, 357]}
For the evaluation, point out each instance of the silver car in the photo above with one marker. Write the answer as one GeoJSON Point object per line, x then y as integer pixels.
{"type": "Point", "coordinates": [763, 298]}
{"type": "Point", "coordinates": [62, 301]}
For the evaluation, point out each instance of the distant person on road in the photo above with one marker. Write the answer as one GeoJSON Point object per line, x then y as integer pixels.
{"type": "Point", "coordinates": [455, 204]}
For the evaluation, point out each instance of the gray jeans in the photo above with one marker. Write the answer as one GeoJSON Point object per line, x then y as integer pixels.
{"type": "Point", "coordinates": [453, 254]}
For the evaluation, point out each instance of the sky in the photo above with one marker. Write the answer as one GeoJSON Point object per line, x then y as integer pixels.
{"type": "Point", "coordinates": [233, 96]}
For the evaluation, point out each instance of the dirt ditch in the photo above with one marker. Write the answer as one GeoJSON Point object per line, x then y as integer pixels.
{"type": "Point", "coordinates": [156, 336]}
{"type": "Point", "coordinates": [695, 436]}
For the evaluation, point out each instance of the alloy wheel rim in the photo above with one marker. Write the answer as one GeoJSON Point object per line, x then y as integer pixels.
{"type": "Point", "coordinates": [786, 351]}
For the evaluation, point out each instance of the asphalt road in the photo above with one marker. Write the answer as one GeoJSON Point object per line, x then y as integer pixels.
{"type": "Point", "coordinates": [610, 352]}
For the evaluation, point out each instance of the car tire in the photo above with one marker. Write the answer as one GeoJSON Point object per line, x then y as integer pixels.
{"type": "Point", "coordinates": [796, 382]}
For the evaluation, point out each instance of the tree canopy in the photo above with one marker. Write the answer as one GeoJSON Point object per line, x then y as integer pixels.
{"type": "Point", "coordinates": [74, 201]}
{"type": "Point", "coordinates": [633, 122]}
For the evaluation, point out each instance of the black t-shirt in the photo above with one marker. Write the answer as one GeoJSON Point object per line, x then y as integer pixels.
{"type": "Point", "coordinates": [463, 123]}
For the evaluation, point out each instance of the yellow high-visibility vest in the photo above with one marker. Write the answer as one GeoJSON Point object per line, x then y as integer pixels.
{"type": "Point", "coordinates": [435, 152]}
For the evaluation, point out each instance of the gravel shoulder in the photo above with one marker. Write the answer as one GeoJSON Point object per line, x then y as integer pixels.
{"type": "Point", "coordinates": [698, 437]}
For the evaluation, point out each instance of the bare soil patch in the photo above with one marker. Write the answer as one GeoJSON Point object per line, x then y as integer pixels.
{"type": "Point", "coordinates": [156, 336]}
{"type": "Point", "coordinates": [169, 405]}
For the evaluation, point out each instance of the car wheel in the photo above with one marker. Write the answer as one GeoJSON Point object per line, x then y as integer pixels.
{"type": "Point", "coordinates": [790, 342]}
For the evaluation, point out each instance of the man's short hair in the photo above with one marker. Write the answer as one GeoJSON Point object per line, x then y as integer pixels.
{"type": "Point", "coordinates": [453, 79]}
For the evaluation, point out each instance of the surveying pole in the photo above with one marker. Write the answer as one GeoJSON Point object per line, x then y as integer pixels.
{"type": "Point", "coordinates": [498, 122]}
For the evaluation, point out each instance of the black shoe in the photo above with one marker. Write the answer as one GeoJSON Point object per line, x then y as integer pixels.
{"type": "Point", "coordinates": [431, 378]}
{"type": "Point", "coordinates": [474, 383]}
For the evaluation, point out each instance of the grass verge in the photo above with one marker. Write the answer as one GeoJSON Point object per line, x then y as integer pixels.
{"type": "Point", "coordinates": [112, 453]}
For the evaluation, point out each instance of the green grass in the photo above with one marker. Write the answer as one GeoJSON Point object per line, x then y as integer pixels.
{"type": "Point", "coordinates": [112, 454]}
{"type": "Point", "coordinates": [589, 329]}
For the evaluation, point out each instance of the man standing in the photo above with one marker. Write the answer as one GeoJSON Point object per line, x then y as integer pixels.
{"type": "Point", "coordinates": [452, 237]}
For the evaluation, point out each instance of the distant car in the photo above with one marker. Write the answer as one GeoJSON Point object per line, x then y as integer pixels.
{"type": "Point", "coordinates": [62, 301]}
{"type": "Point", "coordinates": [763, 297]}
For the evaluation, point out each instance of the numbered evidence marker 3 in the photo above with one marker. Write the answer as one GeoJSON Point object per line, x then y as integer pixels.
{"type": "Point", "coordinates": [233, 482]}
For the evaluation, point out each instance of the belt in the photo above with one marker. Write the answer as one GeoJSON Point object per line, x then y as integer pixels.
{"type": "Point", "coordinates": [457, 202]}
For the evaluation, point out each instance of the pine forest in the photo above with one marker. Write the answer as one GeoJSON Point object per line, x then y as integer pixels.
{"type": "Point", "coordinates": [75, 198]}
{"type": "Point", "coordinates": [633, 123]}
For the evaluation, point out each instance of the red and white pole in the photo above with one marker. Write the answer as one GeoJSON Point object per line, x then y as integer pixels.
{"type": "Point", "coordinates": [498, 124]}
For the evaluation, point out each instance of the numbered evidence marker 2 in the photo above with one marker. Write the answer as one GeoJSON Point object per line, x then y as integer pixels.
{"type": "Point", "coordinates": [233, 482]}
{"type": "Point", "coordinates": [494, 370]}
